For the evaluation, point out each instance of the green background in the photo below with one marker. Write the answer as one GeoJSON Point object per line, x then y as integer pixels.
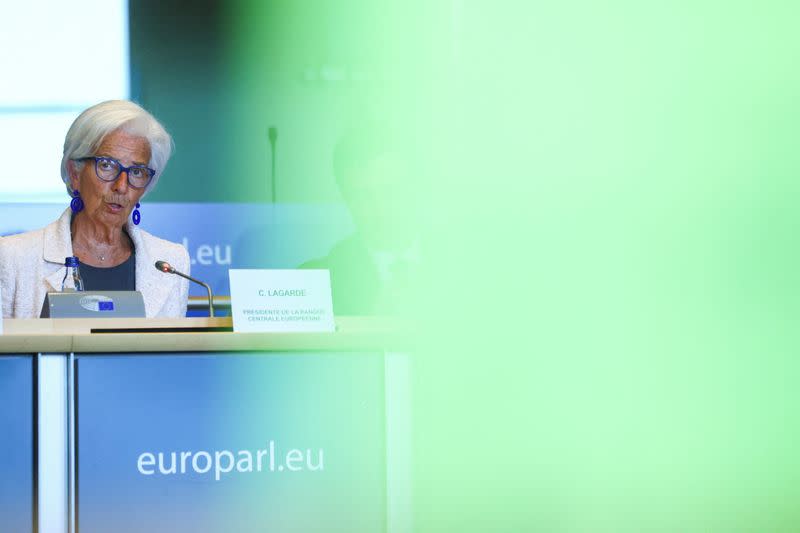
{"type": "Point", "coordinates": [607, 194]}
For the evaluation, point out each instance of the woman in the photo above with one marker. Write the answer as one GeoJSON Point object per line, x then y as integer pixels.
{"type": "Point", "coordinates": [114, 154]}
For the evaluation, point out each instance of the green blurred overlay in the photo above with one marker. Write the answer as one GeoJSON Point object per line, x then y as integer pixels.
{"type": "Point", "coordinates": [605, 195]}
{"type": "Point", "coordinates": [622, 272]}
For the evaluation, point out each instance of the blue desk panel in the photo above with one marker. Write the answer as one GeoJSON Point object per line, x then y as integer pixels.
{"type": "Point", "coordinates": [231, 442]}
{"type": "Point", "coordinates": [16, 443]}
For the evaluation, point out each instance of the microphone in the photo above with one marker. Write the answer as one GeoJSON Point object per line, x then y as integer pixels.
{"type": "Point", "coordinates": [165, 267]}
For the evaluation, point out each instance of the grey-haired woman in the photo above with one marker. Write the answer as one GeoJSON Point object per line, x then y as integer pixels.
{"type": "Point", "coordinates": [114, 153]}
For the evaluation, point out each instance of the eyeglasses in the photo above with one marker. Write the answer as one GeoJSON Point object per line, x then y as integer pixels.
{"type": "Point", "coordinates": [109, 169]}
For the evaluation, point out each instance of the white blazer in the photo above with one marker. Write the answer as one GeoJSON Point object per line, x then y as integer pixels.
{"type": "Point", "coordinates": [32, 264]}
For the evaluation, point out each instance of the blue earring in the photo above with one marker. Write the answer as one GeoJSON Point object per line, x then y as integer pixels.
{"type": "Point", "coordinates": [137, 216]}
{"type": "Point", "coordinates": [76, 204]}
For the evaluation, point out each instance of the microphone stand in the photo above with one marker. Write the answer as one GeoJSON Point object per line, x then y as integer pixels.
{"type": "Point", "coordinates": [163, 266]}
{"type": "Point", "coordinates": [206, 285]}
{"type": "Point", "coordinates": [273, 137]}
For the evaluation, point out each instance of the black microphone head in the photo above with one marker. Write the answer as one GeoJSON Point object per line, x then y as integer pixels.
{"type": "Point", "coordinates": [273, 134]}
{"type": "Point", "coordinates": [163, 266]}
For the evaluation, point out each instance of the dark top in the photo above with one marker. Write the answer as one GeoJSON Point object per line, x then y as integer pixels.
{"type": "Point", "coordinates": [118, 278]}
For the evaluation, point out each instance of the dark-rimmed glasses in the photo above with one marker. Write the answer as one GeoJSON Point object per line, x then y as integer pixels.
{"type": "Point", "coordinates": [109, 169]}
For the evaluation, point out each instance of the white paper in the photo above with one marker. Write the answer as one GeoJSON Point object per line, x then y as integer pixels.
{"type": "Point", "coordinates": [281, 300]}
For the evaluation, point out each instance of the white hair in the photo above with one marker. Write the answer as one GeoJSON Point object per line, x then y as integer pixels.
{"type": "Point", "coordinates": [93, 125]}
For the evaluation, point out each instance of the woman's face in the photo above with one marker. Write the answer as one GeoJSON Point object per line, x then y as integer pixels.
{"type": "Point", "coordinates": [110, 203]}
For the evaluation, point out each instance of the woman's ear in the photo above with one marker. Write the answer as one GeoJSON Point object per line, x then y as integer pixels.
{"type": "Point", "coordinates": [74, 175]}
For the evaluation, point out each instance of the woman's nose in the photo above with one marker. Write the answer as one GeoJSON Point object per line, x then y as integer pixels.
{"type": "Point", "coordinates": [121, 183]}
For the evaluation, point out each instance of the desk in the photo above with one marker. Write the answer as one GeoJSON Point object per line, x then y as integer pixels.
{"type": "Point", "coordinates": [180, 425]}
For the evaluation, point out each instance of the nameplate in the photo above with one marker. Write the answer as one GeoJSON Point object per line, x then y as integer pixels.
{"type": "Point", "coordinates": [281, 300]}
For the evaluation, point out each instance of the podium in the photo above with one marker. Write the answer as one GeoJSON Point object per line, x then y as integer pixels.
{"type": "Point", "coordinates": [182, 425]}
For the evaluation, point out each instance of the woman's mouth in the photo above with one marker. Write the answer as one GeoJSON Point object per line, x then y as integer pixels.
{"type": "Point", "coordinates": [115, 208]}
